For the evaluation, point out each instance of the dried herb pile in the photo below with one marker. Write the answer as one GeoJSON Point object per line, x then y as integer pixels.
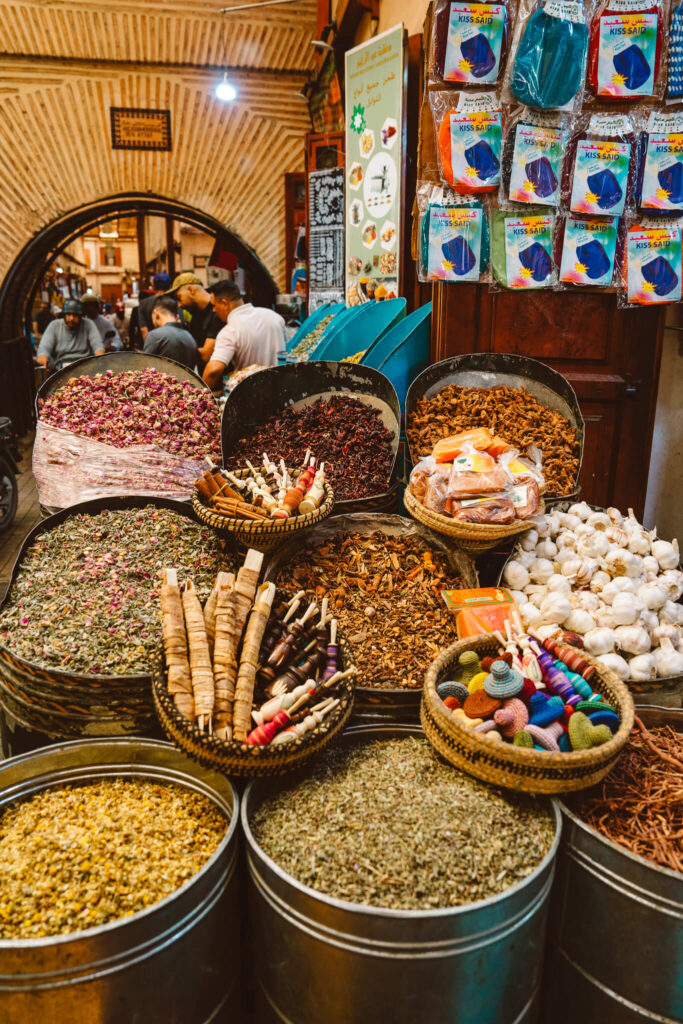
{"type": "Point", "coordinates": [310, 340]}
{"type": "Point", "coordinates": [640, 803]}
{"type": "Point", "coordinates": [85, 598]}
{"type": "Point", "coordinates": [345, 433]}
{"type": "Point", "coordinates": [82, 856]}
{"type": "Point", "coordinates": [513, 414]}
{"type": "Point", "coordinates": [386, 595]}
{"type": "Point", "coordinates": [138, 407]}
{"type": "Point", "coordinates": [388, 824]}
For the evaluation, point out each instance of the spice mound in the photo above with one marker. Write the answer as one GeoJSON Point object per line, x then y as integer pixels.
{"type": "Point", "coordinates": [386, 595]}
{"type": "Point", "coordinates": [345, 433]}
{"type": "Point", "coordinates": [310, 340]}
{"type": "Point", "coordinates": [640, 804]}
{"type": "Point", "coordinates": [511, 412]}
{"type": "Point", "coordinates": [390, 825]}
{"type": "Point", "coordinates": [77, 858]}
{"type": "Point", "coordinates": [138, 407]}
{"type": "Point", "coordinates": [85, 597]}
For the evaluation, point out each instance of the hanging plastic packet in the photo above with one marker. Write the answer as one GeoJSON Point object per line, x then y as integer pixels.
{"type": "Point", "coordinates": [626, 49]}
{"type": "Point", "coordinates": [589, 250]}
{"type": "Point", "coordinates": [454, 236]}
{"type": "Point", "coordinates": [533, 154]}
{"type": "Point", "coordinates": [469, 41]}
{"type": "Point", "coordinates": [599, 169]}
{"type": "Point", "coordinates": [652, 263]}
{"type": "Point", "coordinates": [522, 248]}
{"type": "Point", "coordinates": [551, 45]}
{"type": "Point", "coordinates": [469, 140]}
{"type": "Point", "coordinates": [675, 86]}
{"type": "Point", "coordinates": [660, 163]}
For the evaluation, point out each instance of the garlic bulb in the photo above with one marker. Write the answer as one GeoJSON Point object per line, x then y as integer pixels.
{"type": "Point", "coordinates": [626, 608]}
{"type": "Point", "coordinates": [557, 583]}
{"type": "Point", "coordinates": [642, 667]}
{"type": "Point", "coordinates": [672, 613]}
{"type": "Point", "coordinates": [648, 620]}
{"type": "Point", "coordinates": [580, 570]}
{"type": "Point", "coordinates": [583, 530]}
{"type": "Point", "coordinates": [669, 661]}
{"type": "Point", "coordinates": [652, 595]}
{"type": "Point", "coordinates": [566, 539]}
{"type": "Point", "coordinates": [529, 540]}
{"type": "Point", "coordinates": [617, 535]}
{"type": "Point", "coordinates": [568, 521]}
{"type": "Point", "coordinates": [598, 521]}
{"type": "Point", "coordinates": [595, 545]}
{"type": "Point", "coordinates": [530, 614]}
{"type": "Point", "coordinates": [587, 600]}
{"type": "Point", "coordinates": [599, 641]}
{"type": "Point", "coordinates": [546, 549]}
{"type": "Point", "coordinates": [545, 632]}
{"type": "Point", "coordinates": [555, 608]}
{"type": "Point", "coordinates": [638, 537]}
{"type": "Point", "coordinates": [672, 581]}
{"type": "Point", "coordinates": [525, 558]}
{"type": "Point", "coordinates": [541, 570]}
{"type": "Point", "coordinates": [666, 554]}
{"type": "Point", "coordinates": [599, 581]}
{"type": "Point", "coordinates": [633, 639]}
{"type": "Point", "coordinates": [553, 520]}
{"type": "Point", "coordinates": [581, 509]}
{"type": "Point", "coordinates": [615, 515]}
{"type": "Point", "coordinates": [579, 621]}
{"type": "Point", "coordinates": [666, 630]}
{"type": "Point", "coordinates": [651, 568]}
{"type": "Point", "coordinates": [615, 663]}
{"type": "Point", "coordinates": [604, 617]}
{"type": "Point", "coordinates": [622, 562]}
{"type": "Point", "coordinates": [518, 596]}
{"type": "Point", "coordinates": [515, 575]}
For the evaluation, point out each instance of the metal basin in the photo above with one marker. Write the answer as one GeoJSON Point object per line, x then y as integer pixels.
{"type": "Point", "coordinates": [319, 960]}
{"type": "Point", "coordinates": [176, 962]}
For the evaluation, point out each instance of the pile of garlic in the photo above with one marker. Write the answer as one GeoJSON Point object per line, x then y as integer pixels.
{"type": "Point", "coordinates": [602, 575]}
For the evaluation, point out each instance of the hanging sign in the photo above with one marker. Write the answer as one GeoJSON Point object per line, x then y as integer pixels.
{"type": "Point", "coordinates": [326, 223]}
{"type": "Point", "coordinates": [374, 159]}
{"type": "Point", "coordinates": [140, 128]}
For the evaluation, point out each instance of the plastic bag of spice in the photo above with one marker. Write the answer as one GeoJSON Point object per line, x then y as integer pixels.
{"type": "Point", "coordinates": [469, 41]}
{"type": "Point", "coordinates": [475, 473]}
{"type": "Point", "coordinates": [549, 54]}
{"type": "Point", "coordinates": [652, 270]}
{"type": "Point", "coordinates": [533, 155]}
{"type": "Point", "coordinates": [626, 51]}
{"type": "Point", "coordinates": [436, 491]}
{"type": "Point", "coordinates": [469, 139]}
{"type": "Point", "coordinates": [590, 250]}
{"type": "Point", "coordinates": [495, 509]}
{"type": "Point", "coordinates": [600, 165]}
{"type": "Point", "coordinates": [659, 181]}
{"type": "Point", "coordinates": [523, 247]}
{"type": "Point", "coordinates": [454, 236]}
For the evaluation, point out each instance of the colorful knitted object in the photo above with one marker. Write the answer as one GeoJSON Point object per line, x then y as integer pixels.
{"type": "Point", "coordinates": [468, 667]}
{"type": "Point", "coordinates": [460, 716]}
{"type": "Point", "coordinates": [503, 681]}
{"type": "Point", "coordinates": [512, 717]}
{"type": "Point", "coordinates": [452, 689]}
{"type": "Point", "coordinates": [452, 703]}
{"type": "Point", "coordinates": [523, 739]}
{"type": "Point", "coordinates": [608, 718]}
{"type": "Point", "coordinates": [546, 738]}
{"type": "Point", "coordinates": [544, 710]}
{"type": "Point", "coordinates": [477, 683]}
{"type": "Point", "coordinates": [584, 735]}
{"type": "Point", "coordinates": [480, 705]}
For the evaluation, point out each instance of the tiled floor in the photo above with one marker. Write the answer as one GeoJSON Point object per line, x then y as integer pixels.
{"type": "Point", "coordinates": [28, 514]}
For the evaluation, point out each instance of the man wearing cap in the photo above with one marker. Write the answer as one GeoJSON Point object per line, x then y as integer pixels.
{"type": "Point", "coordinates": [72, 338]}
{"type": "Point", "coordinates": [251, 335]}
{"type": "Point", "coordinates": [161, 283]}
{"type": "Point", "coordinates": [192, 296]}
{"type": "Point", "coordinates": [110, 336]}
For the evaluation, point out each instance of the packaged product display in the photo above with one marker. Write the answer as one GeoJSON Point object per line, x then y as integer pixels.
{"type": "Point", "coordinates": [549, 58]}
{"type": "Point", "coordinates": [395, 805]}
{"type": "Point", "coordinates": [660, 164]}
{"type": "Point", "coordinates": [533, 157]}
{"type": "Point", "coordinates": [600, 166]}
{"type": "Point", "coordinates": [625, 49]}
{"type": "Point", "coordinates": [470, 139]}
{"type": "Point", "coordinates": [602, 576]}
{"type": "Point", "coordinates": [523, 247]}
{"type": "Point", "coordinates": [652, 263]}
{"type": "Point", "coordinates": [454, 236]}
{"type": "Point", "coordinates": [470, 41]}
{"type": "Point", "coordinates": [589, 250]}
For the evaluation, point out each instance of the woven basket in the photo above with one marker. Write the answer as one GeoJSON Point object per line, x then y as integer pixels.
{"type": "Point", "coordinates": [474, 537]}
{"type": "Point", "coordinates": [239, 759]}
{"type": "Point", "coordinates": [520, 768]}
{"type": "Point", "coordinates": [261, 534]}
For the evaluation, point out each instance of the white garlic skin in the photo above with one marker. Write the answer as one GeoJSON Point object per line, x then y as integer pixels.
{"type": "Point", "coordinates": [581, 509]}
{"type": "Point", "coordinates": [515, 575]}
{"type": "Point", "coordinates": [599, 521]}
{"type": "Point", "coordinates": [529, 540]}
{"type": "Point", "coordinates": [558, 584]}
{"type": "Point", "coordinates": [599, 641]}
{"type": "Point", "coordinates": [546, 549]}
{"type": "Point", "coordinates": [666, 554]}
{"type": "Point", "coordinates": [642, 668]}
{"type": "Point", "coordinates": [669, 661]}
{"type": "Point", "coordinates": [541, 570]}
{"type": "Point", "coordinates": [579, 621]}
{"type": "Point", "coordinates": [633, 639]}
{"type": "Point", "coordinates": [615, 663]}
{"type": "Point", "coordinates": [626, 608]}
{"type": "Point", "coordinates": [599, 581]}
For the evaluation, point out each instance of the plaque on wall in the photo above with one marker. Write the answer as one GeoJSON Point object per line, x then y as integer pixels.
{"type": "Point", "coordinates": [326, 198]}
{"type": "Point", "coordinates": [140, 128]}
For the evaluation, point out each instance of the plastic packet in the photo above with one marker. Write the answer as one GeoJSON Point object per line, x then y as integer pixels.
{"type": "Point", "coordinates": [454, 236]}
{"type": "Point", "coordinates": [674, 89]}
{"type": "Point", "coordinates": [520, 467]}
{"type": "Point", "coordinates": [475, 473]}
{"type": "Point", "coordinates": [525, 496]}
{"type": "Point", "coordinates": [600, 166]}
{"type": "Point", "coordinates": [550, 49]}
{"type": "Point", "coordinates": [533, 154]}
{"type": "Point", "coordinates": [469, 41]}
{"type": "Point", "coordinates": [436, 491]}
{"type": "Point", "coordinates": [420, 477]}
{"type": "Point", "coordinates": [480, 611]}
{"type": "Point", "coordinates": [659, 183]}
{"type": "Point", "coordinates": [626, 51]}
{"type": "Point", "coordinates": [652, 263]}
{"type": "Point", "coordinates": [448, 448]}
{"type": "Point", "coordinates": [590, 250]}
{"type": "Point", "coordinates": [469, 139]}
{"type": "Point", "coordinates": [496, 508]}
{"type": "Point", "coordinates": [523, 247]}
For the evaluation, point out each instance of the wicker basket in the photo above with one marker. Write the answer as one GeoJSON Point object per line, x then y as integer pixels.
{"type": "Point", "coordinates": [520, 768]}
{"type": "Point", "coordinates": [239, 759]}
{"type": "Point", "coordinates": [261, 534]}
{"type": "Point", "coordinates": [475, 537]}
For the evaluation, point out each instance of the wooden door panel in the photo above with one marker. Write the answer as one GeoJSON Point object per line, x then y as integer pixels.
{"type": "Point", "coordinates": [551, 327]}
{"type": "Point", "coordinates": [601, 399]}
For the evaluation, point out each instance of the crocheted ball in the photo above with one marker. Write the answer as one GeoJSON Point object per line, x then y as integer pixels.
{"type": "Point", "coordinates": [512, 717]}
{"type": "Point", "coordinates": [503, 681]}
{"type": "Point", "coordinates": [450, 688]}
{"type": "Point", "coordinates": [480, 705]}
{"type": "Point", "coordinates": [452, 703]}
{"type": "Point", "coordinates": [523, 739]}
{"type": "Point", "coordinates": [477, 682]}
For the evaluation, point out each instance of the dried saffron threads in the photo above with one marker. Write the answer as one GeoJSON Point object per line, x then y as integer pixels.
{"type": "Point", "coordinates": [388, 824]}
{"type": "Point", "coordinates": [639, 805]}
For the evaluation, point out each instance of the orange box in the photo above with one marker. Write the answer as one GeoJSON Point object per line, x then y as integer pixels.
{"type": "Point", "coordinates": [480, 611]}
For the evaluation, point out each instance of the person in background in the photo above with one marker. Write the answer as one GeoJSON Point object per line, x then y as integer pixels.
{"type": "Point", "coordinates": [204, 326]}
{"type": "Point", "coordinates": [168, 337]}
{"type": "Point", "coordinates": [108, 333]}
{"type": "Point", "coordinates": [67, 340]}
{"type": "Point", "coordinates": [43, 317]}
{"type": "Point", "coordinates": [161, 283]}
{"type": "Point", "coordinates": [251, 334]}
{"type": "Point", "coordinates": [119, 320]}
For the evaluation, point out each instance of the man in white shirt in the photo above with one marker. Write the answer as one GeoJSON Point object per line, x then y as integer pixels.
{"type": "Point", "coordinates": [251, 335]}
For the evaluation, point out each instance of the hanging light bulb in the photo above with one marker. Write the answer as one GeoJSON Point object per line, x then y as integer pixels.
{"type": "Point", "coordinates": [225, 90]}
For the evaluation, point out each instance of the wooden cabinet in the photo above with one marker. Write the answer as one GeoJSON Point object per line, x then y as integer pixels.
{"type": "Point", "coordinates": [295, 217]}
{"type": "Point", "coordinates": [611, 357]}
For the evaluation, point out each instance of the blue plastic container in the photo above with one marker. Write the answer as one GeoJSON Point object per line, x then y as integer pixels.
{"type": "Point", "coordinates": [358, 333]}
{"type": "Point", "coordinates": [311, 322]}
{"type": "Point", "coordinates": [403, 352]}
{"type": "Point", "coordinates": [339, 324]}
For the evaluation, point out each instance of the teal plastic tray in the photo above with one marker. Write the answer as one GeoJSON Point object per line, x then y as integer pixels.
{"type": "Point", "coordinates": [403, 352]}
{"type": "Point", "coordinates": [372, 321]}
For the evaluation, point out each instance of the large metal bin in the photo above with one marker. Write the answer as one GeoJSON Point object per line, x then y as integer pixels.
{"type": "Point", "coordinates": [318, 960]}
{"type": "Point", "coordinates": [176, 962]}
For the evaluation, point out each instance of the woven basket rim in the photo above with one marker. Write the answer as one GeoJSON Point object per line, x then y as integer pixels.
{"type": "Point", "coordinates": [267, 527]}
{"type": "Point", "coordinates": [507, 754]}
{"type": "Point", "coordinates": [477, 532]}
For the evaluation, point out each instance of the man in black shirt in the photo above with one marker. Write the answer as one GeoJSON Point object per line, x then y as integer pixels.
{"type": "Point", "coordinates": [42, 318]}
{"type": "Point", "coordinates": [205, 324]}
{"type": "Point", "coordinates": [161, 283]}
{"type": "Point", "coordinates": [169, 338]}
